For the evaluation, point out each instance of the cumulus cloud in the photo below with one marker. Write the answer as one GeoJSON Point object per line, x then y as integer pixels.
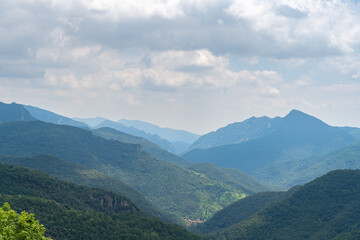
{"type": "Point", "coordinates": [272, 28]}
{"type": "Point", "coordinates": [164, 71]}
{"type": "Point", "coordinates": [314, 26]}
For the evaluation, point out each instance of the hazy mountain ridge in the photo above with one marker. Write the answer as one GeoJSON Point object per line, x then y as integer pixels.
{"type": "Point", "coordinates": [139, 133]}
{"type": "Point", "coordinates": [296, 136]}
{"type": "Point", "coordinates": [236, 133]}
{"type": "Point", "coordinates": [91, 122]}
{"type": "Point", "coordinates": [14, 112]}
{"type": "Point", "coordinates": [152, 148]}
{"type": "Point", "coordinates": [50, 117]}
{"type": "Point", "coordinates": [172, 135]}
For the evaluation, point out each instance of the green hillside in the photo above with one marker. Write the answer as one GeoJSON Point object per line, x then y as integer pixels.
{"type": "Point", "coordinates": [70, 211]}
{"type": "Point", "coordinates": [239, 211]}
{"type": "Point", "coordinates": [152, 148]}
{"type": "Point", "coordinates": [229, 176]}
{"type": "Point", "coordinates": [182, 192]}
{"type": "Point", "coordinates": [326, 208]}
{"type": "Point", "coordinates": [72, 172]}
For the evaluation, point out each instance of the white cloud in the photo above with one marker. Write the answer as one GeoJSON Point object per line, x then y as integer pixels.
{"type": "Point", "coordinates": [347, 65]}
{"type": "Point", "coordinates": [334, 23]}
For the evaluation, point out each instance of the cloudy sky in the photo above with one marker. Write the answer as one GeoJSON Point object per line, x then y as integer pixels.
{"type": "Point", "coordinates": [192, 64]}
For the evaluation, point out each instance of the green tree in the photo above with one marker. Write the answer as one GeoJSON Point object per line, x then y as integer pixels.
{"type": "Point", "coordinates": [24, 226]}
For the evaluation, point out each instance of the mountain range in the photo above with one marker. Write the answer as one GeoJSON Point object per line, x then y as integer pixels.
{"type": "Point", "coordinates": [180, 139]}
{"type": "Point", "coordinates": [278, 140]}
{"type": "Point", "coordinates": [175, 190]}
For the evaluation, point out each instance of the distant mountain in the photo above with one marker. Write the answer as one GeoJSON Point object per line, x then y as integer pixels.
{"type": "Point", "coordinates": [152, 148]}
{"type": "Point", "coordinates": [92, 122]}
{"type": "Point", "coordinates": [236, 133]}
{"type": "Point", "coordinates": [70, 211]}
{"type": "Point", "coordinates": [14, 112]}
{"type": "Point", "coordinates": [172, 135]}
{"type": "Point", "coordinates": [326, 208]}
{"type": "Point", "coordinates": [79, 174]}
{"type": "Point", "coordinates": [50, 117]}
{"type": "Point", "coordinates": [139, 133]}
{"type": "Point", "coordinates": [176, 190]}
{"type": "Point", "coordinates": [291, 172]}
{"type": "Point", "coordinates": [296, 136]}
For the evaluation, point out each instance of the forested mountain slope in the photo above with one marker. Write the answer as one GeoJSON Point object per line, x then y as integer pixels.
{"type": "Point", "coordinates": [70, 211]}
{"type": "Point", "coordinates": [72, 172]}
{"type": "Point", "coordinates": [326, 208]}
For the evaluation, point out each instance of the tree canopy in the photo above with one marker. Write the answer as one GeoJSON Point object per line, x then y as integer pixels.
{"type": "Point", "coordinates": [17, 226]}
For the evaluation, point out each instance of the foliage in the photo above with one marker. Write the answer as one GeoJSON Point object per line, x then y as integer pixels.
{"type": "Point", "coordinates": [23, 181]}
{"type": "Point", "coordinates": [326, 208]}
{"type": "Point", "coordinates": [70, 211]}
{"type": "Point", "coordinates": [65, 170]}
{"type": "Point", "coordinates": [22, 226]}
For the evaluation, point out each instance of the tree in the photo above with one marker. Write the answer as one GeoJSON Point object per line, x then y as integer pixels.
{"type": "Point", "coordinates": [24, 226]}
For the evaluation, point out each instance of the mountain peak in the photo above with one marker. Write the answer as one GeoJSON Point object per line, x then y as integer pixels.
{"type": "Point", "coordinates": [296, 112]}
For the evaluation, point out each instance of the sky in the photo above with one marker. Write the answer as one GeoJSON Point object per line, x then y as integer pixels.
{"type": "Point", "coordinates": [193, 64]}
